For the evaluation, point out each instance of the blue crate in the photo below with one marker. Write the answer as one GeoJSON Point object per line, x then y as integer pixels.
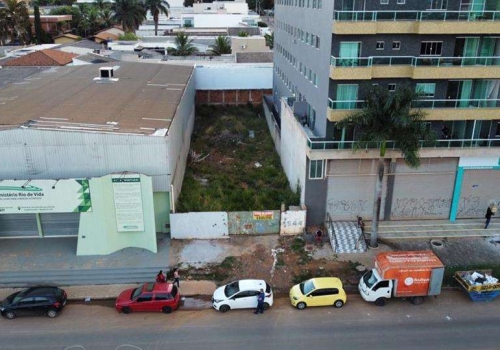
{"type": "Point", "coordinates": [484, 296]}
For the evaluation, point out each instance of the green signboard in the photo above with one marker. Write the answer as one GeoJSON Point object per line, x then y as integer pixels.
{"type": "Point", "coordinates": [45, 196]}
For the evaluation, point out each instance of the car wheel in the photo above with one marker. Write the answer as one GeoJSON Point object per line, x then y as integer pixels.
{"type": "Point", "coordinates": [380, 302]}
{"type": "Point", "coordinates": [224, 308]}
{"type": "Point", "coordinates": [338, 303]}
{"type": "Point", "coordinates": [10, 315]}
{"type": "Point", "coordinates": [166, 309]}
{"type": "Point", "coordinates": [126, 310]}
{"type": "Point", "coordinates": [52, 313]}
{"type": "Point", "coordinates": [301, 306]}
{"type": "Point", "coordinates": [266, 306]}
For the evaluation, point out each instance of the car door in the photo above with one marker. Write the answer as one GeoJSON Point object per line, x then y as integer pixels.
{"type": "Point", "coordinates": [25, 307]}
{"type": "Point", "coordinates": [243, 300]}
{"type": "Point", "coordinates": [162, 299]}
{"type": "Point", "coordinates": [318, 297]}
{"type": "Point", "coordinates": [41, 305]}
{"type": "Point", "coordinates": [144, 302]}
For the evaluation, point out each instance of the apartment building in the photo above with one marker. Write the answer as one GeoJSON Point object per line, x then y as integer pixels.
{"type": "Point", "coordinates": [329, 54]}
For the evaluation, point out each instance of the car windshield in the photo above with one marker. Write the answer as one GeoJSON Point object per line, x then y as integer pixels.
{"type": "Point", "coordinates": [369, 279]}
{"type": "Point", "coordinates": [307, 287]}
{"type": "Point", "coordinates": [231, 289]}
{"type": "Point", "coordinates": [136, 292]}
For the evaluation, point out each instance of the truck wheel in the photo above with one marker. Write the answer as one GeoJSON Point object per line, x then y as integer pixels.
{"type": "Point", "coordinates": [417, 300]}
{"type": "Point", "coordinates": [380, 302]}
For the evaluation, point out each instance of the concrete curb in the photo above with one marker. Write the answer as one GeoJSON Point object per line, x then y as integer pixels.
{"type": "Point", "coordinates": [111, 291]}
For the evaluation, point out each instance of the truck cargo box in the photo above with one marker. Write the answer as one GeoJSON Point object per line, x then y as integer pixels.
{"type": "Point", "coordinates": [416, 273]}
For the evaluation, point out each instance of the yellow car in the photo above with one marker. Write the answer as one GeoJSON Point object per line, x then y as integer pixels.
{"type": "Point", "coordinates": [321, 291]}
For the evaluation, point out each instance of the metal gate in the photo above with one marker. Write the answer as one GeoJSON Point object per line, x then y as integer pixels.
{"type": "Point", "coordinates": [479, 188]}
{"type": "Point", "coordinates": [351, 189]}
{"type": "Point", "coordinates": [60, 224]}
{"type": "Point", "coordinates": [425, 192]}
{"type": "Point", "coordinates": [18, 225]}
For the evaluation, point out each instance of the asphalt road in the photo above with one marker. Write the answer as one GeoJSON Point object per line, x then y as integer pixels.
{"type": "Point", "coordinates": [448, 322]}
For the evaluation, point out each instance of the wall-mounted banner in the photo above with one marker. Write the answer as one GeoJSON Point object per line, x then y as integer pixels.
{"type": "Point", "coordinates": [263, 215]}
{"type": "Point", "coordinates": [128, 202]}
{"type": "Point", "coordinates": [45, 196]}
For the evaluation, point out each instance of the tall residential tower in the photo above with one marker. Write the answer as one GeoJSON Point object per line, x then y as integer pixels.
{"type": "Point", "coordinates": [329, 54]}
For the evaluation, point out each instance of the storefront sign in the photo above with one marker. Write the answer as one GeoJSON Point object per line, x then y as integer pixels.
{"type": "Point", "coordinates": [263, 215]}
{"type": "Point", "coordinates": [128, 203]}
{"type": "Point", "coordinates": [45, 196]}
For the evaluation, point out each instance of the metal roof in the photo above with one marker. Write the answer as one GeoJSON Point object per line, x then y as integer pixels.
{"type": "Point", "coordinates": [141, 99]}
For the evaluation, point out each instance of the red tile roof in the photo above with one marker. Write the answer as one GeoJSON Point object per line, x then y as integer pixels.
{"type": "Point", "coordinates": [43, 58]}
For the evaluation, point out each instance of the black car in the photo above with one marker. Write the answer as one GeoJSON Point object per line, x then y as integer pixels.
{"type": "Point", "coordinates": [34, 301]}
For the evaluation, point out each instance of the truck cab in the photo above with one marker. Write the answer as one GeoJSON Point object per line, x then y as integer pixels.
{"type": "Point", "coordinates": [375, 289]}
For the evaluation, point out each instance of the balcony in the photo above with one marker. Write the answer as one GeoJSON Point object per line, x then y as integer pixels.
{"type": "Point", "coordinates": [414, 67]}
{"type": "Point", "coordinates": [416, 22]}
{"type": "Point", "coordinates": [391, 145]}
{"type": "Point", "coordinates": [449, 109]}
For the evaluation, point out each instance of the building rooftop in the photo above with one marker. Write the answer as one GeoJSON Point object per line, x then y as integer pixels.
{"type": "Point", "coordinates": [43, 58]}
{"type": "Point", "coordinates": [141, 99]}
{"type": "Point", "coordinates": [254, 57]}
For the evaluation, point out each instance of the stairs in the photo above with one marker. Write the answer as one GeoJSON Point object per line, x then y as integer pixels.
{"type": "Point", "coordinates": [78, 277]}
{"type": "Point", "coordinates": [345, 237]}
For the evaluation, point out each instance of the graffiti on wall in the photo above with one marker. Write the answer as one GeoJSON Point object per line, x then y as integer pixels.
{"type": "Point", "coordinates": [416, 208]}
{"type": "Point", "coordinates": [347, 206]}
{"type": "Point", "coordinates": [470, 207]}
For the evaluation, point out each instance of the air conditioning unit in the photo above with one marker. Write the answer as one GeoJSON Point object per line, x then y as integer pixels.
{"type": "Point", "coordinates": [243, 47]}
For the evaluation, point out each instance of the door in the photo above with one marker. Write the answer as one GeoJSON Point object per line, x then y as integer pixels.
{"type": "Point", "coordinates": [349, 53]}
{"type": "Point", "coordinates": [382, 289]}
{"type": "Point", "coordinates": [322, 297]}
{"type": "Point", "coordinates": [244, 300]}
{"type": "Point", "coordinates": [479, 188]}
{"type": "Point", "coordinates": [347, 96]}
{"type": "Point", "coordinates": [163, 299]}
{"type": "Point", "coordinates": [144, 303]}
{"type": "Point", "coordinates": [26, 307]}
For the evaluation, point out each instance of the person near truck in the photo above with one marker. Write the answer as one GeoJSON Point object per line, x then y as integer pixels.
{"type": "Point", "coordinates": [489, 213]}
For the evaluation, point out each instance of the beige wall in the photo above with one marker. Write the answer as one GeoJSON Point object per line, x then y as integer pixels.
{"type": "Point", "coordinates": [248, 44]}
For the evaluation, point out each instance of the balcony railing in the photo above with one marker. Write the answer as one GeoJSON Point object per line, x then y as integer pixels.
{"type": "Point", "coordinates": [352, 145]}
{"type": "Point", "coordinates": [423, 103]}
{"type": "Point", "coordinates": [414, 61]}
{"type": "Point", "coordinates": [432, 15]}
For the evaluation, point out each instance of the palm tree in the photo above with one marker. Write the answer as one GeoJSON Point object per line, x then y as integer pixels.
{"type": "Point", "coordinates": [4, 26]}
{"type": "Point", "coordinates": [222, 46]}
{"type": "Point", "coordinates": [130, 13]}
{"type": "Point", "coordinates": [388, 116]}
{"type": "Point", "coordinates": [183, 46]}
{"type": "Point", "coordinates": [157, 7]}
{"type": "Point", "coordinates": [17, 19]}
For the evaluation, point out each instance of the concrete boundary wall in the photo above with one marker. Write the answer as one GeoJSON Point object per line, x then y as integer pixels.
{"type": "Point", "coordinates": [204, 225]}
{"type": "Point", "coordinates": [213, 225]}
{"type": "Point", "coordinates": [230, 97]}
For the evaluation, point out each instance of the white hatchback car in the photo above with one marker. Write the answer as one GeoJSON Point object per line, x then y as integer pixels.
{"type": "Point", "coordinates": [241, 294]}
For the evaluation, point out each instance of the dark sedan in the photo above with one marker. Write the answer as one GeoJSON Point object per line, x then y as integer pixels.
{"type": "Point", "coordinates": [34, 301]}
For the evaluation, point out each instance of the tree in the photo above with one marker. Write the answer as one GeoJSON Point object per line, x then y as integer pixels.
{"type": "Point", "coordinates": [222, 46]}
{"type": "Point", "coordinates": [242, 34]}
{"type": "Point", "coordinates": [106, 18]}
{"type": "Point", "coordinates": [130, 13]}
{"type": "Point", "coordinates": [157, 7]}
{"type": "Point", "coordinates": [388, 116]}
{"type": "Point", "coordinates": [38, 25]}
{"type": "Point", "coordinates": [183, 46]}
{"type": "Point", "coordinates": [4, 26]}
{"type": "Point", "coordinates": [17, 16]}
{"type": "Point", "coordinates": [269, 40]}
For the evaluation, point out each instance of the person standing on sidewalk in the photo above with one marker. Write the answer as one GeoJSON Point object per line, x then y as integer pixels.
{"type": "Point", "coordinates": [177, 278]}
{"type": "Point", "coordinates": [260, 302]}
{"type": "Point", "coordinates": [489, 213]}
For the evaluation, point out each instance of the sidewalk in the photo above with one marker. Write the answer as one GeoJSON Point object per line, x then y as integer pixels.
{"type": "Point", "coordinates": [187, 288]}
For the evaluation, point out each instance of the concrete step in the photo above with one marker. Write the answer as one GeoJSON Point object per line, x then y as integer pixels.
{"type": "Point", "coordinates": [78, 277]}
{"type": "Point", "coordinates": [434, 229]}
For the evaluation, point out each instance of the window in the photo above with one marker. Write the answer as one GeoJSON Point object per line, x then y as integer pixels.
{"type": "Point", "coordinates": [497, 132]}
{"type": "Point", "coordinates": [384, 2]}
{"type": "Point", "coordinates": [437, 4]}
{"type": "Point", "coordinates": [163, 296]}
{"type": "Point", "coordinates": [380, 45]}
{"type": "Point", "coordinates": [396, 45]}
{"type": "Point", "coordinates": [426, 90]}
{"type": "Point", "coordinates": [381, 284]}
{"type": "Point", "coordinates": [145, 297]}
{"type": "Point", "coordinates": [392, 87]}
{"type": "Point", "coordinates": [317, 42]}
{"type": "Point", "coordinates": [401, 2]}
{"type": "Point", "coordinates": [431, 48]}
{"type": "Point", "coordinates": [315, 169]}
